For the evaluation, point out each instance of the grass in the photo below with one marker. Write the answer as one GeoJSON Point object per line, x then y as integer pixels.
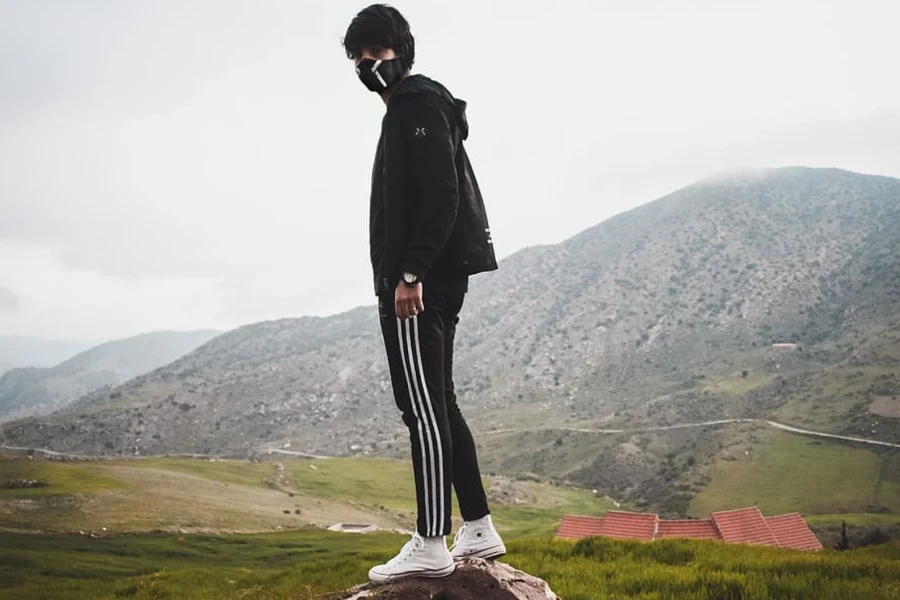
{"type": "Point", "coordinates": [240, 472]}
{"type": "Point", "coordinates": [697, 570]}
{"type": "Point", "coordinates": [385, 481]}
{"type": "Point", "coordinates": [49, 507]}
{"type": "Point", "coordinates": [543, 518]}
{"type": "Point", "coordinates": [792, 473]}
{"type": "Point", "coordinates": [887, 491]}
{"type": "Point", "coordinates": [299, 565]}
{"type": "Point", "coordinates": [226, 496]}
{"type": "Point", "coordinates": [861, 520]}
{"type": "Point", "coordinates": [736, 385]}
{"type": "Point", "coordinates": [285, 565]}
{"type": "Point", "coordinates": [64, 478]}
{"type": "Point", "coordinates": [168, 493]}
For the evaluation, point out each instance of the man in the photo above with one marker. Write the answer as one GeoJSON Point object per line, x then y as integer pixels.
{"type": "Point", "coordinates": [428, 234]}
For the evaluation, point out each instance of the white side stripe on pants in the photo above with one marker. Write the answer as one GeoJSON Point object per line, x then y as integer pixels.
{"type": "Point", "coordinates": [427, 426]}
{"type": "Point", "coordinates": [401, 336]}
{"type": "Point", "coordinates": [429, 409]}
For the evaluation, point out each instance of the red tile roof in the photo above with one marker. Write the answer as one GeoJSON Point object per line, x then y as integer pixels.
{"type": "Point", "coordinates": [696, 529]}
{"type": "Point", "coordinates": [629, 525]}
{"type": "Point", "coordinates": [576, 527]}
{"type": "Point", "coordinates": [791, 531]}
{"type": "Point", "coordinates": [744, 526]}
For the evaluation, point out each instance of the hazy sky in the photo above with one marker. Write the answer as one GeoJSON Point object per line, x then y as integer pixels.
{"type": "Point", "coordinates": [205, 163]}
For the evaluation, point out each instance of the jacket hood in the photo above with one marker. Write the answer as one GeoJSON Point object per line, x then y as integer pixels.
{"type": "Point", "coordinates": [420, 84]}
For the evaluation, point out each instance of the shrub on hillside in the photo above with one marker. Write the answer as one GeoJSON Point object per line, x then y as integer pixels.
{"type": "Point", "coordinates": [874, 537]}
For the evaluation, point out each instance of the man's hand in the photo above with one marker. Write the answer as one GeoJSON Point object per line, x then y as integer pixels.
{"type": "Point", "coordinates": [408, 300]}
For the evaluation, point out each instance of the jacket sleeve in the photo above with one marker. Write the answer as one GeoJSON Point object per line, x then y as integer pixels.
{"type": "Point", "coordinates": [420, 143]}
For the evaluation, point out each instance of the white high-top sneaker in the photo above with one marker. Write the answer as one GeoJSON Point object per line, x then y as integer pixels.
{"type": "Point", "coordinates": [477, 539]}
{"type": "Point", "coordinates": [420, 557]}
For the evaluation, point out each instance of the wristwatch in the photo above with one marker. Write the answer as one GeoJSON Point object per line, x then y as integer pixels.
{"type": "Point", "coordinates": [410, 279]}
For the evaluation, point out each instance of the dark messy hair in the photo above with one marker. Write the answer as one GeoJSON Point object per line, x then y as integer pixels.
{"type": "Point", "coordinates": [380, 25]}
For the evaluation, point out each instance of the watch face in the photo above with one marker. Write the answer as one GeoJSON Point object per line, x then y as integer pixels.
{"type": "Point", "coordinates": [409, 277]}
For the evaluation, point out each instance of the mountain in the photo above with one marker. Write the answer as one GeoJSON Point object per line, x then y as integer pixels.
{"type": "Point", "coordinates": [24, 351]}
{"type": "Point", "coordinates": [663, 315]}
{"type": "Point", "coordinates": [33, 390]}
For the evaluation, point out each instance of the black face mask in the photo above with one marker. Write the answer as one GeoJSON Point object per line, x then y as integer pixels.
{"type": "Point", "coordinates": [379, 75]}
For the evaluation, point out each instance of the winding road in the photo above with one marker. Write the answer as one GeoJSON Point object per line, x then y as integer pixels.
{"type": "Point", "coordinates": [774, 424]}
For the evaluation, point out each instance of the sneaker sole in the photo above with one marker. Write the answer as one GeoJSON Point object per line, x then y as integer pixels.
{"type": "Point", "coordinates": [426, 574]}
{"type": "Point", "coordinates": [487, 553]}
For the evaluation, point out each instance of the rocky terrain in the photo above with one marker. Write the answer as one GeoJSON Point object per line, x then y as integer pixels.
{"type": "Point", "coordinates": [666, 314]}
{"type": "Point", "coordinates": [474, 579]}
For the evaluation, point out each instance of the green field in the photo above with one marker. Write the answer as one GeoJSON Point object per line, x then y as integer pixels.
{"type": "Point", "coordinates": [227, 496]}
{"type": "Point", "coordinates": [794, 473]}
{"type": "Point", "coordinates": [860, 520]}
{"type": "Point", "coordinates": [67, 478]}
{"type": "Point", "coordinates": [241, 472]}
{"type": "Point", "coordinates": [186, 528]}
{"type": "Point", "coordinates": [298, 565]}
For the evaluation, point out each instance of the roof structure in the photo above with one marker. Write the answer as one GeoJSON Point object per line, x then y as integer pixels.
{"type": "Point", "coordinates": [576, 527]}
{"type": "Point", "coordinates": [742, 526]}
{"type": "Point", "coordinates": [791, 531]}
{"type": "Point", "coordinates": [703, 529]}
{"type": "Point", "coordinates": [630, 526]}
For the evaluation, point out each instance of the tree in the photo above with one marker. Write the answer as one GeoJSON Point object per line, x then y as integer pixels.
{"type": "Point", "coordinates": [844, 542]}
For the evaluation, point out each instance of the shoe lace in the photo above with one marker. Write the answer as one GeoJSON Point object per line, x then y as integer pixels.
{"type": "Point", "coordinates": [460, 535]}
{"type": "Point", "coordinates": [408, 548]}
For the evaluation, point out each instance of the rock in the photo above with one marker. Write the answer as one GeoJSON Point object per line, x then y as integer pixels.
{"type": "Point", "coordinates": [508, 492]}
{"type": "Point", "coordinates": [474, 579]}
{"type": "Point", "coordinates": [22, 483]}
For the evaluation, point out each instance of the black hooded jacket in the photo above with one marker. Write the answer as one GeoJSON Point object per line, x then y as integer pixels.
{"type": "Point", "coordinates": [426, 214]}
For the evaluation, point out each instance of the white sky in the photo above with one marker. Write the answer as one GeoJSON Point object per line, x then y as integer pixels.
{"type": "Point", "coordinates": [206, 163]}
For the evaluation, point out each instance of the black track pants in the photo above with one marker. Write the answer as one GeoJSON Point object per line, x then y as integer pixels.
{"type": "Point", "coordinates": [420, 356]}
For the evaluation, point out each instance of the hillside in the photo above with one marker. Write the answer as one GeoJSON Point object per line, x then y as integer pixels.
{"type": "Point", "coordinates": [35, 391]}
{"type": "Point", "coordinates": [663, 315]}
{"type": "Point", "coordinates": [25, 351]}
